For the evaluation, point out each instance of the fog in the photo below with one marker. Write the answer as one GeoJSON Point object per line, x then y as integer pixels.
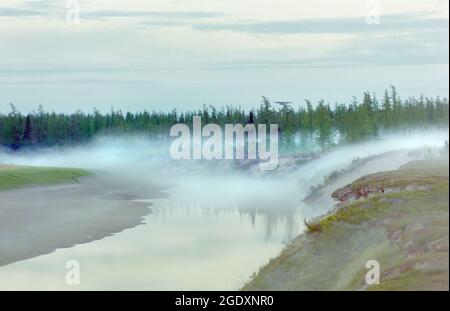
{"type": "Point", "coordinates": [314, 172]}
{"type": "Point", "coordinates": [139, 159]}
{"type": "Point", "coordinates": [220, 183]}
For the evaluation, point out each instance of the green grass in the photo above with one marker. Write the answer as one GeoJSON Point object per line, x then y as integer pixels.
{"type": "Point", "coordinates": [12, 176]}
{"type": "Point", "coordinates": [405, 228]}
{"type": "Point", "coordinates": [434, 185]}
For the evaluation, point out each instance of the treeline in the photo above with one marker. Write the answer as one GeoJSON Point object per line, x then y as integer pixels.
{"type": "Point", "coordinates": [322, 122]}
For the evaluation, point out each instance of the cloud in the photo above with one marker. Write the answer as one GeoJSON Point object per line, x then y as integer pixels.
{"type": "Point", "coordinates": [418, 48]}
{"type": "Point", "coordinates": [393, 22]}
{"type": "Point", "coordinates": [153, 14]}
{"type": "Point", "coordinates": [33, 8]}
{"type": "Point", "coordinates": [401, 39]}
{"type": "Point", "coordinates": [20, 12]}
{"type": "Point", "coordinates": [165, 23]}
{"type": "Point", "coordinates": [47, 8]}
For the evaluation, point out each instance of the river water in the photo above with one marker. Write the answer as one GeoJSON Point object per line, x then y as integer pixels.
{"type": "Point", "coordinates": [215, 243]}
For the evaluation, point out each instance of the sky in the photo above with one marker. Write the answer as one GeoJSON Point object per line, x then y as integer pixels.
{"type": "Point", "coordinates": [182, 54]}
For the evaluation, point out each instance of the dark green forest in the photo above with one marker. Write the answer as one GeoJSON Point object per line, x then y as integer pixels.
{"type": "Point", "coordinates": [354, 121]}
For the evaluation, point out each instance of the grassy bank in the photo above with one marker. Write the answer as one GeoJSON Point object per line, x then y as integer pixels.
{"type": "Point", "coordinates": [12, 176]}
{"type": "Point", "coordinates": [399, 218]}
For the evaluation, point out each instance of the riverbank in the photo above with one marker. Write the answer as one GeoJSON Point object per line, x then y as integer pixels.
{"type": "Point", "coordinates": [13, 176]}
{"type": "Point", "coordinates": [40, 219]}
{"type": "Point", "coordinates": [399, 218]}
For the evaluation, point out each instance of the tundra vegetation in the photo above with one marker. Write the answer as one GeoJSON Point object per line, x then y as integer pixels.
{"type": "Point", "coordinates": [399, 218]}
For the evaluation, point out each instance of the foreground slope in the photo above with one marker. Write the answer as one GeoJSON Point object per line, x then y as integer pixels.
{"type": "Point", "coordinates": [399, 218]}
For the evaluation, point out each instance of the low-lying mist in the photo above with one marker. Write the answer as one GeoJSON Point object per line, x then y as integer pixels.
{"type": "Point", "coordinates": [140, 161]}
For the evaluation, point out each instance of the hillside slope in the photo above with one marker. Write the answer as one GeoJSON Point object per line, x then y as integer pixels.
{"type": "Point", "coordinates": [399, 218]}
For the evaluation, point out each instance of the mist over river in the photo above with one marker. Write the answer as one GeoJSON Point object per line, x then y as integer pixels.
{"type": "Point", "coordinates": [212, 226]}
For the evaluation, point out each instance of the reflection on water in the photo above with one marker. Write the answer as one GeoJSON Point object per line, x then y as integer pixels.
{"type": "Point", "coordinates": [185, 244]}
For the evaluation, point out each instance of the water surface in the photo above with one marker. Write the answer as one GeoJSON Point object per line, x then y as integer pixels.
{"type": "Point", "coordinates": [210, 243]}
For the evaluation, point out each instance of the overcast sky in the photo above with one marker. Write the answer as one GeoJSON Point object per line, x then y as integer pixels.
{"type": "Point", "coordinates": [164, 54]}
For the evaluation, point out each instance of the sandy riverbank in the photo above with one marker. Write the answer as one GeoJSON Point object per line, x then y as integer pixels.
{"type": "Point", "coordinates": [37, 220]}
